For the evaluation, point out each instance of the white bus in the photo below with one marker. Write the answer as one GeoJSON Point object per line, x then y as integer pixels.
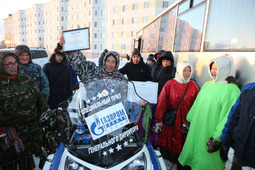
{"type": "Point", "coordinates": [199, 30]}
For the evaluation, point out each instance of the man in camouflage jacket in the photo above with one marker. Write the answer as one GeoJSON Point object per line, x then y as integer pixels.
{"type": "Point", "coordinates": [21, 104]}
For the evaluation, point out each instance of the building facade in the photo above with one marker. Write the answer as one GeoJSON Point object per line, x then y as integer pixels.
{"type": "Point", "coordinates": [112, 23]}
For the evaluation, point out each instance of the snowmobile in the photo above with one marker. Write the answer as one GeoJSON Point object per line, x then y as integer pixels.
{"type": "Point", "coordinates": [100, 129]}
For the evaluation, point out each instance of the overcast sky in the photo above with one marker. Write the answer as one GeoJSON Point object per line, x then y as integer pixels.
{"type": "Point", "coordinates": [11, 6]}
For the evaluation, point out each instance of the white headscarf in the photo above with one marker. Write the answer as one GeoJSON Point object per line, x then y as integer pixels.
{"type": "Point", "coordinates": [179, 73]}
{"type": "Point", "coordinates": [225, 68]}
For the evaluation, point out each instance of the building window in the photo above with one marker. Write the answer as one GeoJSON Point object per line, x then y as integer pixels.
{"type": "Point", "coordinates": [132, 33]}
{"type": "Point", "coordinates": [95, 12]}
{"type": "Point", "coordinates": [95, 24]}
{"type": "Point", "coordinates": [102, 13]}
{"type": "Point", "coordinates": [134, 20]}
{"type": "Point", "coordinates": [135, 6]}
{"type": "Point", "coordinates": [95, 1]}
{"type": "Point", "coordinates": [145, 19]}
{"type": "Point", "coordinates": [89, 13]}
{"type": "Point", "coordinates": [114, 22]}
{"type": "Point", "coordinates": [102, 35]}
{"type": "Point", "coordinates": [146, 4]}
{"type": "Point", "coordinates": [95, 46]}
{"type": "Point", "coordinates": [101, 46]}
{"type": "Point", "coordinates": [115, 9]}
{"type": "Point", "coordinates": [123, 21]}
{"type": "Point", "coordinates": [124, 8]}
{"type": "Point", "coordinates": [165, 4]}
{"type": "Point", "coordinates": [95, 35]}
{"type": "Point", "coordinates": [123, 46]}
{"type": "Point", "coordinates": [113, 34]}
{"type": "Point", "coordinates": [102, 24]}
{"type": "Point", "coordinates": [62, 18]}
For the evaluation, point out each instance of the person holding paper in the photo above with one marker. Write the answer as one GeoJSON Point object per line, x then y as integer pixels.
{"type": "Point", "coordinates": [87, 69]}
{"type": "Point", "coordinates": [171, 139]}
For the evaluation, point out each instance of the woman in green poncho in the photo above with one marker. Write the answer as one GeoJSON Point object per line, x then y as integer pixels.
{"type": "Point", "coordinates": [208, 116]}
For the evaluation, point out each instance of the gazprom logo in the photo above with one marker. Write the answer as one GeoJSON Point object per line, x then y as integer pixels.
{"type": "Point", "coordinates": [107, 120]}
{"type": "Point", "coordinates": [96, 127]}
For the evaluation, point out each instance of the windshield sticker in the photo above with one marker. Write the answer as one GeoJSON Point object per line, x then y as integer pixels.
{"type": "Point", "coordinates": [101, 102]}
{"type": "Point", "coordinates": [118, 138]}
{"type": "Point", "coordinates": [107, 121]}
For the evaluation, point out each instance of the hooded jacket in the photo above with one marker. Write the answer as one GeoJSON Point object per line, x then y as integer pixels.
{"type": "Point", "coordinates": [163, 74]}
{"type": "Point", "coordinates": [21, 104]}
{"type": "Point", "coordinates": [136, 72]}
{"type": "Point", "coordinates": [34, 71]}
{"type": "Point", "coordinates": [87, 70]}
{"type": "Point", "coordinates": [208, 116]}
{"type": "Point", "coordinates": [170, 97]}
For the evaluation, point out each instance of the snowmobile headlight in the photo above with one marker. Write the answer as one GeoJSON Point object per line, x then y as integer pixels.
{"type": "Point", "coordinates": [139, 163]}
{"type": "Point", "coordinates": [73, 165]}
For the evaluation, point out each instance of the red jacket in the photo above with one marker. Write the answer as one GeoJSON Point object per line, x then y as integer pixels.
{"type": "Point", "coordinates": [170, 97]}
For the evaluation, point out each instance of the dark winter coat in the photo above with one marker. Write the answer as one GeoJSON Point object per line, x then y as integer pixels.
{"type": "Point", "coordinates": [36, 73]}
{"type": "Point", "coordinates": [162, 74]}
{"type": "Point", "coordinates": [136, 72]}
{"type": "Point", "coordinates": [60, 83]}
{"type": "Point", "coordinates": [241, 128]}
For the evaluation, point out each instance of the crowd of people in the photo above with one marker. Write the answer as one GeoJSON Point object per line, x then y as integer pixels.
{"type": "Point", "coordinates": [208, 121]}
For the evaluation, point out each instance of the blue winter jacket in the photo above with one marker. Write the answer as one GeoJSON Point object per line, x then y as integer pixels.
{"type": "Point", "coordinates": [239, 131]}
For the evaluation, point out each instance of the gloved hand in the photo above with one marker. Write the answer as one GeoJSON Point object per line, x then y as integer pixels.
{"type": "Point", "coordinates": [158, 127]}
{"type": "Point", "coordinates": [185, 127]}
{"type": "Point", "coordinates": [224, 148]}
{"type": "Point", "coordinates": [213, 145]}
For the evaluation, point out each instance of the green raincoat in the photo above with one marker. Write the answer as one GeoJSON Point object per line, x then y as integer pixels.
{"type": "Point", "coordinates": [207, 117]}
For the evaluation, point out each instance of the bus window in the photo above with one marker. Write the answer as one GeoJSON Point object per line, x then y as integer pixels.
{"type": "Point", "coordinates": [195, 2]}
{"type": "Point", "coordinates": [166, 34]}
{"type": "Point", "coordinates": [231, 26]}
{"type": "Point", "coordinates": [151, 40]}
{"type": "Point", "coordinates": [189, 28]}
{"type": "Point", "coordinates": [184, 6]}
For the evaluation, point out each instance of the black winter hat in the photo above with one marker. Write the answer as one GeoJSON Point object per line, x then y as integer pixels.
{"type": "Point", "coordinates": [157, 54]}
{"type": "Point", "coordinates": [166, 56]}
{"type": "Point", "coordinates": [105, 51]}
{"type": "Point", "coordinates": [136, 52]}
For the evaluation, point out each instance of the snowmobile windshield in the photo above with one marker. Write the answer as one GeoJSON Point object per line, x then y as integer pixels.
{"type": "Point", "coordinates": [100, 124]}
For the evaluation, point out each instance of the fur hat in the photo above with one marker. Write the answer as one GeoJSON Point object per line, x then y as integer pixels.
{"type": "Point", "coordinates": [4, 54]}
{"type": "Point", "coordinates": [21, 49]}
